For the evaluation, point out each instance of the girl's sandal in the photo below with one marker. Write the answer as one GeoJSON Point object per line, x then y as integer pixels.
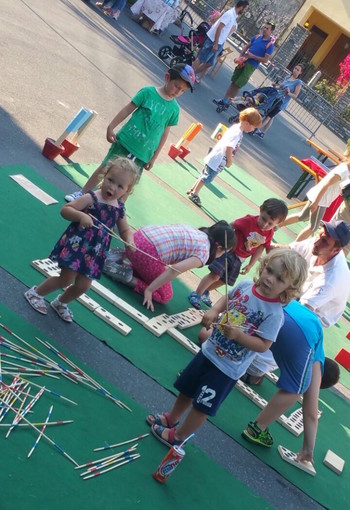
{"type": "Point", "coordinates": [62, 310]}
{"type": "Point", "coordinates": [156, 419]}
{"type": "Point", "coordinates": [36, 301]}
{"type": "Point", "coordinates": [195, 300]}
{"type": "Point", "coordinates": [157, 431]}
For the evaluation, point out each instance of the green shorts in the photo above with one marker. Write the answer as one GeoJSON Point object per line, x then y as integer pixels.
{"type": "Point", "coordinates": [117, 149]}
{"type": "Point", "coordinates": [241, 75]}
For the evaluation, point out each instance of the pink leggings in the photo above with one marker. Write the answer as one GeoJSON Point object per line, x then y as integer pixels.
{"type": "Point", "coordinates": [147, 269]}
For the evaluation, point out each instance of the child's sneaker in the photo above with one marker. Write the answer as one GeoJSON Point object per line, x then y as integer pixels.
{"type": "Point", "coordinates": [206, 298]}
{"type": "Point", "coordinates": [222, 102]}
{"type": "Point", "coordinates": [122, 273]}
{"type": "Point", "coordinates": [36, 301]}
{"type": "Point", "coordinates": [254, 434]}
{"type": "Point", "coordinates": [195, 300]}
{"type": "Point", "coordinates": [62, 310]}
{"type": "Point", "coordinates": [195, 199]}
{"type": "Point", "coordinates": [74, 196]}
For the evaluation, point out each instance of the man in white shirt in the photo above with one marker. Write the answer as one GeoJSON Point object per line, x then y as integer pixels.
{"type": "Point", "coordinates": [327, 287]}
{"type": "Point", "coordinates": [216, 37]}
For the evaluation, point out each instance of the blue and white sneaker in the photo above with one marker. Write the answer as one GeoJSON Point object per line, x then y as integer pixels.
{"type": "Point", "coordinates": [74, 196]}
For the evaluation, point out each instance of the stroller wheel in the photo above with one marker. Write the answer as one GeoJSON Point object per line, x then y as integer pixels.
{"type": "Point", "coordinates": [233, 119]}
{"type": "Point", "coordinates": [164, 52]}
{"type": "Point", "coordinates": [176, 60]}
{"type": "Point", "coordinates": [220, 109]}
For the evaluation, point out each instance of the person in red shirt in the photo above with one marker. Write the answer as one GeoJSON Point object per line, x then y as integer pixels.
{"type": "Point", "coordinates": [253, 233]}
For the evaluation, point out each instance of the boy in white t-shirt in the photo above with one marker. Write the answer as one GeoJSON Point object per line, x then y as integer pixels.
{"type": "Point", "coordinates": [320, 197]}
{"type": "Point", "coordinates": [221, 155]}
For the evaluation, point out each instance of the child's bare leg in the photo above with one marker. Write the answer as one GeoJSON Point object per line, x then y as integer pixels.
{"type": "Point", "coordinates": [206, 282]}
{"type": "Point", "coordinates": [279, 404]}
{"type": "Point", "coordinates": [94, 179]}
{"type": "Point", "coordinates": [216, 285]}
{"type": "Point", "coordinates": [193, 422]}
{"type": "Point", "coordinates": [56, 282]}
{"type": "Point", "coordinates": [198, 186]}
{"type": "Point", "coordinates": [82, 284]}
{"type": "Point", "coordinates": [182, 403]}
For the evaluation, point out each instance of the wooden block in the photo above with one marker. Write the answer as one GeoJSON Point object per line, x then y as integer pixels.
{"type": "Point", "coordinates": [271, 376]}
{"type": "Point", "coordinates": [189, 318]}
{"type": "Point", "coordinates": [160, 324]}
{"type": "Point", "coordinates": [334, 462]}
{"type": "Point", "coordinates": [259, 401]}
{"type": "Point", "coordinates": [183, 340]}
{"type": "Point", "coordinates": [246, 390]}
{"type": "Point", "coordinates": [46, 267]}
{"type": "Point", "coordinates": [295, 423]}
{"type": "Point", "coordinates": [131, 311]}
{"type": "Point", "coordinates": [113, 321]}
{"type": "Point", "coordinates": [101, 290]}
{"type": "Point", "coordinates": [33, 189]}
{"type": "Point", "coordinates": [118, 302]}
{"type": "Point", "coordinates": [89, 303]}
{"type": "Point", "coordinates": [290, 457]}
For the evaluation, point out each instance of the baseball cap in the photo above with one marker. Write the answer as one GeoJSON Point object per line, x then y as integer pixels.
{"type": "Point", "coordinates": [338, 230]}
{"type": "Point", "coordinates": [186, 73]}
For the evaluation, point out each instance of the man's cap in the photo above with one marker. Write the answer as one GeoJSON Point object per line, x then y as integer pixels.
{"type": "Point", "coordinates": [338, 230]}
{"type": "Point", "coordinates": [186, 73]}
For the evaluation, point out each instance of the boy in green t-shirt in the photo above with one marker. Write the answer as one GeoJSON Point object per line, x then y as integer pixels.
{"type": "Point", "coordinates": [152, 112]}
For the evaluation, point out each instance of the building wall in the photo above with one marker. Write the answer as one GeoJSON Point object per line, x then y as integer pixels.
{"type": "Point", "coordinates": [336, 10]}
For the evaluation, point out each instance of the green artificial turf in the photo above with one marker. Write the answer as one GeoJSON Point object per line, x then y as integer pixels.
{"type": "Point", "coordinates": [33, 234]}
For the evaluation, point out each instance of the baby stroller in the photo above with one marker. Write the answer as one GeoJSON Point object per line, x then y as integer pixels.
{"type": "Point", "coordinates": [185, 48]}
{"type": "Point", "coordinates": [264, 99]}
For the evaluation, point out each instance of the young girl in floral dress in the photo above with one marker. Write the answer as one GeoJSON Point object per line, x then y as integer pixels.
{"type": "Point", "coordinates": [82, 249]}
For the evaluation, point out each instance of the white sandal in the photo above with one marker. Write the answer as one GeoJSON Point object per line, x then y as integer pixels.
{"type": "Point", "coordinates": [36, 301]}
{"type": "Point", "coordinates": [62, 310]}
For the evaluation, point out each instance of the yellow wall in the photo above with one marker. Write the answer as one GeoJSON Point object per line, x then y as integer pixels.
{"type": "Point", "coordinates": [327, 26]}
{"type": "Point", "coordinates": [336, 10]}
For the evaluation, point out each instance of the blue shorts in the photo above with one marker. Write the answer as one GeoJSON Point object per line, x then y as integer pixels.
{"type": "Point", "coordinates": [294, 358]}
{"type": "Point", "coordinates": [206, 55]}
{"type": "Point", "coordinates": [233, 268]}
{"type": "Point", "coordinates": [208, 175]}
{"type": "Point", "coordinates": [202, 381]}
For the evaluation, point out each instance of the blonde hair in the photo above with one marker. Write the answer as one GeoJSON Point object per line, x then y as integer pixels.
{"type": "Point", "coordinates": [252, 116]}
{"type": "Point", "coordinates": [294, 269]}
{"type": "Point", "coordinates": [125, 164]}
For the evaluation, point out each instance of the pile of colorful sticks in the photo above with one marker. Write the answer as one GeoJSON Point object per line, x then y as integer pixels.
{"type": "Point", "coordinates": [16, 399]}
{"type": "Point", "coordinates": [100, 466]}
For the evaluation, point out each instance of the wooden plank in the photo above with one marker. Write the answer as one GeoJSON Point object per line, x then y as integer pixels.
{"type": "Point", "coordinates": [290, 457]}
{"type": "Point", "coordinates": [334, 462]}
{"type": "Point", "coordinates": [183, 340]}
{"type": "Point", "coordinates": [113, 321]}
{"type": "Point", "coordinates": [33, 189]}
